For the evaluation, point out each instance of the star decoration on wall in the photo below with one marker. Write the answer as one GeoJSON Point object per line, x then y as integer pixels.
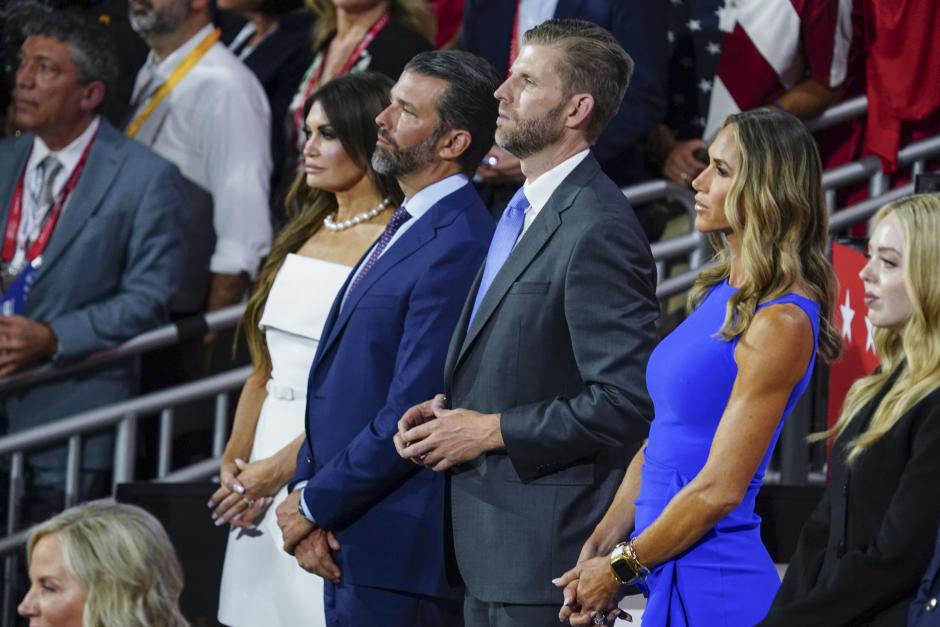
{"type": "Point", "coordinates": [847, 315]}
{"type": "Point", "coordinates": [713, 48]}
{"type": "Point", "coordinates": [694, 25]}
{"type": "Point", "coordinates": [704, 86]}
{"type": "Point", "coordinates": [870, 340]}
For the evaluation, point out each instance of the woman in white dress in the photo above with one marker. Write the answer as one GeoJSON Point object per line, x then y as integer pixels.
{"type": "Point", "coordinates": [339, 207]}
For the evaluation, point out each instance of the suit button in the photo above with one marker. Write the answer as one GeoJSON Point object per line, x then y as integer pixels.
{"type": "Point", "coordinates": [932, 604]}
{"type": "Point", "coordinates": [309, 460]}
{"type": "Point", "coordinates": [845, 488]}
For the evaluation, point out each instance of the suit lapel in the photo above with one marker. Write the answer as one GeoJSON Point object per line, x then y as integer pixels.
{"type": "Point", "coordinates": [99, 173]}
{"type": "Point", "coordinates": [11, 165]}
{"type": "Point", "coordinates": [528, 248]}
{"type": "Point", "coordinates": [420, 233]}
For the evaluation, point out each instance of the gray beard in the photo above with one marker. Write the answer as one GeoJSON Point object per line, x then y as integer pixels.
{"type": "Point", "coordinates": [396, 162]}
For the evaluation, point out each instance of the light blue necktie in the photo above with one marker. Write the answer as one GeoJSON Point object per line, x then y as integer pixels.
{"type": "Point", "coordinates": [504, 239]}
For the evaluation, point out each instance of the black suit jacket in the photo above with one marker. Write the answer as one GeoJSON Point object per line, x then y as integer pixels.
{"type": "Point", "coordinates": [925, 610]}
{"type": "Point", "coordinates": [863, 550]}
{"type": "Point", "coordinates": [559, 346]}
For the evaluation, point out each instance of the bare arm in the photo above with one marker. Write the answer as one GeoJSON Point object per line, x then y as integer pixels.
{"type": "Point", "coordinates": [808, 99]}
{"type": "Point", "coordinates": [771, 357]}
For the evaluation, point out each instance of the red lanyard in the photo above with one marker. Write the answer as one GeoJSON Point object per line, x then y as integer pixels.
{"type": "Point", "coordinates": [350, 61]}
{"type": "Point", "coordinates": [514, 40]}
{"type": "Point", "coordinates": [16, 211]}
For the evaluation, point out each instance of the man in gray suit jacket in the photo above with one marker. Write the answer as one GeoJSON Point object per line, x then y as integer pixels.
{"type": "Point", "coordinates": [546, 367]}
{"type": "Point", "coordinates": [104, 214]}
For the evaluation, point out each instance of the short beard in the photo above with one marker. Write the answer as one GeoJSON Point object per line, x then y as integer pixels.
{"type": "Point", "coordinates": [159, 21]}
{"type": "Point", "coordinates": [532, 136]}
{"type": "Point", "coordinates": [393, 161]}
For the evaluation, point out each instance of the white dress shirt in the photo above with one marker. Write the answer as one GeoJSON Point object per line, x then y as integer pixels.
{"type": "Point", "coordinates": [215, 126]}
{"type": "Point", "coordinates": [532, 13]}
{"type": "Point", "coordinates": [33, 215]}
{"type": "Point", "coordinates": [538, 192]}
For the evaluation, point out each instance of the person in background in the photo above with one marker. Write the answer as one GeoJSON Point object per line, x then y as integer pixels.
{"type": "Point", "coordinates": [276, 44]}
{"type": "Point", "coordinates": [925, 608]}
{"type": "Point", "coordinates": [339, 206]}
{"type": "Point", "coordinates": [95, 248]}
{"type": "Point", "coordinates": [99, 564]}
{"type": "Point", "coordinates": [865, 547]}
{"type": "Point", "coordinates": [682, 526]}
{"type": "Point", "coordinates": [197, 105]}
{"type": "Point", "coordinates": [352, 36]}
{"type": "Point", "coordinates": [791, 56]}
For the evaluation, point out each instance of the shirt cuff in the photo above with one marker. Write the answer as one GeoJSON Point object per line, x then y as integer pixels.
{"type": "Point", "coordinates": [303, 503]}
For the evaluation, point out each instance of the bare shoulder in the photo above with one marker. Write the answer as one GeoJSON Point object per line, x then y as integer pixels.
{"type": "Point", "coordinates": [778, 342]}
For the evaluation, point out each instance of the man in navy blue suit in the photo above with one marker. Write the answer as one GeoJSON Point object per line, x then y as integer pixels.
{"type": "Point", "coordinates": [359, 515]}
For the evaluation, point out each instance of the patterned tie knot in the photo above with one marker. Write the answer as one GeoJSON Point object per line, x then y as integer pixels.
{"type": "Point", "coordinates": [47, 172]}
{"type": "Point", "coordinates": [399, 217]}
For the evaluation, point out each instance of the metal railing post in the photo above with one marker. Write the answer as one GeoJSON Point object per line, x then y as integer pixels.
{"type": "Point", "coordinates": [73, 470]}
{"type": "Point", "coordinates": [165, 450]}
{"type": "Point", "coordinates": [125, 444]}
{"type": "Point", "coordinates": [220, 425]}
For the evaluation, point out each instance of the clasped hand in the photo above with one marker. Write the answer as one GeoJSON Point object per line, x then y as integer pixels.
{"type": "Point", "coordinates": [590, 589]}
{"type": "Point", "coordinates": [310, 545]}
{"type": "Point", "coordinates": [246, 492]}
{"type": "Point", "coordinates": [431, 435]}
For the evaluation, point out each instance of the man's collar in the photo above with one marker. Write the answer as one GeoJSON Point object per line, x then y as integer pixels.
{"type": "Point", "coordinates": [69, 155]}
{"type": "Point", "coordinates": [427, 197]}
{"type": "Point", "coordinates": [538, 192]}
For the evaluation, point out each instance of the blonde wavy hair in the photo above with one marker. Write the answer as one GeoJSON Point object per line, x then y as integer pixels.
{"type": "Point", "coordinates": [776, 207]}
{"type": "Point", "coordinates": [123, 561]}
{"type": "Point", "coordinates": [413, 13]}
{"type": "Point", "coordinates": [916, 349]}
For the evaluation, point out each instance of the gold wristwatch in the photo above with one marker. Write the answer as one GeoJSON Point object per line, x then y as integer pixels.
{"type": "Point", "coordinates": [625, 566]}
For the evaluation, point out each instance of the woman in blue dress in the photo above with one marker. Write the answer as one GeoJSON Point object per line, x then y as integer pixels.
{"type": "Point", "coordinates": [682, 525]}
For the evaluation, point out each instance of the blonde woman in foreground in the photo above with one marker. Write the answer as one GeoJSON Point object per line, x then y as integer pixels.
{"type": "Point", "coordinates": [862, 552]}
{"type": "Point", "coordinates": [102, 564]}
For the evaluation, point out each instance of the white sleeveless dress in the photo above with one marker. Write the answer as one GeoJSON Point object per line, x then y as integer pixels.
{"type": "Point", "coordinates": [262, 585]}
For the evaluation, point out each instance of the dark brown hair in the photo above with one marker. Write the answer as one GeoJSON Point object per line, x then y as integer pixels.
{"type": "Point", "coordinates": [351, 103]}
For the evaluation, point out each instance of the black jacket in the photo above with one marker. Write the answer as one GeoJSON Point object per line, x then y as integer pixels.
{"type": "Point", "coordinates": [863, 550]}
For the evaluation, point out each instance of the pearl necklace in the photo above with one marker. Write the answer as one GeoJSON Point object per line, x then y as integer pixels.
{"type": "Point", "coordinates": [356, 219]}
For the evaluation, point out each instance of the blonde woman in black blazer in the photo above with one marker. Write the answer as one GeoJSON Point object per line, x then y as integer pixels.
{"type": "Point", "coordinates": [863, 551]}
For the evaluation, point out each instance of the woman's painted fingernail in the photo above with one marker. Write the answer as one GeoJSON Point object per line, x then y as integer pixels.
{"type": "Point", "coordinates": [220, 521]}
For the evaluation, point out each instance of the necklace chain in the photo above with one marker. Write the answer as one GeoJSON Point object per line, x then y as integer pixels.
{"type": "Point", "coordinates": [331, 225]}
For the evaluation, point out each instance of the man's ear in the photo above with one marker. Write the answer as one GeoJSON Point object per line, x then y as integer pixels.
{"type": "Point", "coordinates": [453, 144]}
{"type": "Point", "coordinates": [93, 96]}
{"type": "Point", "coordinates": [580, 109]}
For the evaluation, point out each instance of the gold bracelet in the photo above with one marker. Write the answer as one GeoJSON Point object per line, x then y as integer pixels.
{"type": "Point", "coordinates": [635, 563]}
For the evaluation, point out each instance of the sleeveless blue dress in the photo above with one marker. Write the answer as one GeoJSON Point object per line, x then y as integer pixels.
{"type": "Point", "coordinates": [727, 578]}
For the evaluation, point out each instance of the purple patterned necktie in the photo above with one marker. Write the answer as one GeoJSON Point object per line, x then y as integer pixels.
{"type": "Point", "coordinates": [504, 239]}
{"type": "Point", "coordinates": [398, 218]}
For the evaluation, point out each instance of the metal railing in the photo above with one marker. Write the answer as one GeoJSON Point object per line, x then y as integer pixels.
{"type": "Point", "coordinates": [169, 335]}
{"type": "Point", "coordinates": [123, 418]}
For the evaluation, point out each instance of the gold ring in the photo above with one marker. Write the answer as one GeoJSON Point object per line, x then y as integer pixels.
{"type": "Point", "coordinates": [248, 501]}
{"type": "Point", "coordinates": [685, 177]}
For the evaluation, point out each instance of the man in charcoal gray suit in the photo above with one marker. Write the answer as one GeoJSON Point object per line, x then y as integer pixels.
{"type": "Point", "coordinates": [545, 371]}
